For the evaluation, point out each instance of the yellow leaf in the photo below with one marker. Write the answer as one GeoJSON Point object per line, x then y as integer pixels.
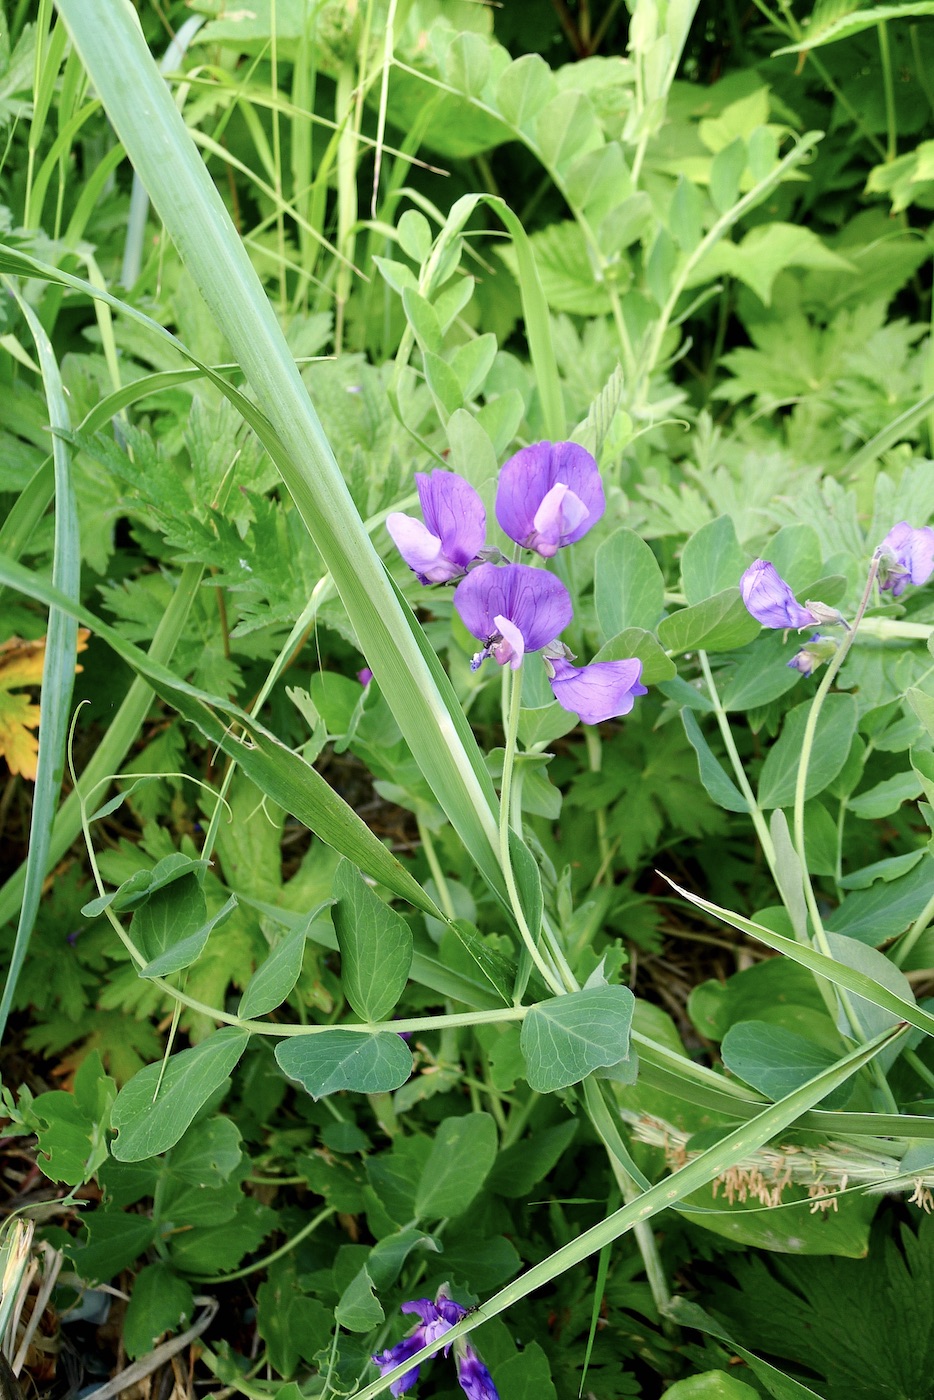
{"type": "Point", "coordinates": [21, 664]}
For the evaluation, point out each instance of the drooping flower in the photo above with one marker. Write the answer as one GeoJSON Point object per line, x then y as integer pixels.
{"type": "Point", "coordinates": [769, 599]}
{"type": "Point", "coordinates": [475, 1380]}
{"type": "Point", "coordinates": [600, 691]}
{"type": "Point", "coordinates": [453, 533]}
{"type": "Point", "coordinates": [814, 653]}
{"type": "Point", "coordinates": [549, 495]}
{"type": "Point", "coordinates": [437, 1318]}
{"type": "Point", "coordinates": [394, 1356]}
{"type": "Point", "coordinates": [906, 555]}
{"type": "Point", "coordinates": [512, 610]}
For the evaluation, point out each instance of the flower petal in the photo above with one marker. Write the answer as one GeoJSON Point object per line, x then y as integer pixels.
{"type": "Point", "coordinates": [769, 599]}
{"type": "Point", "coordinates": [395, 1356]}
{"type": "Point", "coordinates": [526, 483]}
{"type": "Point", "coordinates": [911, 552]}
{"type": "Point", "coordinates": [473, 1377]}
{"type": "Point", "coordinates": [602, 690]}
{"type": "Point", "coordinates": [420, 549]}
{"type": "Point", "coordinates": [512, 646]}
{"type": "Point", "coordinates": [454, 512]}
{"type": "Point", "coordinates": [535, 602]}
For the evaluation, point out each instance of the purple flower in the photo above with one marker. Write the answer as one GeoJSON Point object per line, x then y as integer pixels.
{"type": "Point", "coordinates": [473, 1377]}
{"type": "Point", "coordinates": [437, 1318]}
{"type": "Point", "coordinates": [770, 600]}
{"type": "Point", "coordinates": [388, 1360]}
{"type": "Point", "coordinates": [906, 556]}
{"type": "Point", "coordinates": [549, 495]}
{"type": "Point", "coordinates": [453, 533]}
{"type": "Point", "coordinates": [365, 676]}
{"type": "Point", "coordinates": [596, 692]}
{"type": "Point", "coordinates": [814, 653]}
{"type": "Point", "coordinates": [512, 610]}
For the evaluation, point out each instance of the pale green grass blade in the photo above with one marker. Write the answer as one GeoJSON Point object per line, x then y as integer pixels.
{"type": "Point", "coordinates": [847, 977]}
{"type": "Point", "coordinates": [135, 97]}
{"type": "Point", "coordinates": [697, 1173]}
{"type": "Point", "coordinates": [115, 744]}
{"type": "Point", "coordinates": [58, 671]}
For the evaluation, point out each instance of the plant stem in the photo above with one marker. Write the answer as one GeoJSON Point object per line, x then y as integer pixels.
{"type": "Point", "coordinates": [551, 979]}
{"type": "Point", "coordinates": [889, 89]}
{"type": "Point", "coordinates": [739, 772]}
{"type": "Point", "coordinates": [434, 865]}
{"type": "Point", "coordinates": [909, 939]}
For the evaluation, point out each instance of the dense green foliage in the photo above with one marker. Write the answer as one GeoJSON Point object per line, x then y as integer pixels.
{"type": "Point", "coordinates": [662, 981]}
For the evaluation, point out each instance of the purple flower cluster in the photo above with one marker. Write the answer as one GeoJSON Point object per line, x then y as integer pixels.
{"type": "Point", "coordinates": [906, 555]}
{"type": "Point", "coordinates": [549, 495]}
{"type": "Point", "coordinates": [437, 1318]}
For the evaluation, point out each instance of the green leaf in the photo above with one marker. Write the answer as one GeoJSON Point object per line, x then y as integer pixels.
{"type": "Point", "coordinates": [777, 1061]}
{"type": "Point", "coordinates": [161, 1302]}
{"type": "Point", "coordinates": [886, 797]}
{"type": "Point", "coordinates": [720, 623]}
{"type": "Point", "coordinates": [359, 1309]}
{"type": "Point", "coordinates": [526, 1163]}
{"type": "Point", "coordinates": [717, 782]}
{"type": "Point", "coordinates": [463, 1151]}
{"type": "Point", "coordinates": [760, 675]}
{"type": "Point", "coordinates": [711, 1385]}
{"type": "Point", "coordinates": [875, 915]}
{"type": "Point", "coordinates": [635, 642]}
{"type": "Point", "coordinates": [835, 729]}
{"type": "Point", "coordinates": [376, 946]}
{"type": "Point", "coordinates": [339, 1059]}
{"type": "Point", "coordinates": [153, 1110]}
{"type": "Point", "coordinates": [565, 1039]}
{"type": "Point", "coordinates": [776, 1383]}
{"type": "Point", "coordinates": [528, 882]}
{"type": "Point", "coordinates": [542, 724]}
{"type": "Point", "coordinates": [524, 88]}
{"type": "Point", "coordinates": [73, 1142]}
{"type": "Point", "coordinates": [444, 385]}
{"type": "Point", "coordinates": [844, 26]}
{"type": "Point", "coordinates": [162, 925]}
{"type": "Point", "coordinates": [276, 975]}
{"type": "Point", "coordinates": [923, 706]}
{"type": "Point", "coordinates": [725, 174]}
{"type": "Point", "coordinates": [712, 560]}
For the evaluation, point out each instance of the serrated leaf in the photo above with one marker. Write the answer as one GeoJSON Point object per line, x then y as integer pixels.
{"type": "Point", "coordinates": [150, 1116]}
{"type": "Point", "coordinates": [565, 1039]}
{"type": "Point", "coordinates": [375, 943]}
{"type": "Point", "coordinates": [340, 1059]}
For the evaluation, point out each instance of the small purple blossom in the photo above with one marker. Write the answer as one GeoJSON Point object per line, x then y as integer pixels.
{"type": "Point", "coordinates": [600, 691]}
{"type": "Point", "coordinates": [549, 495]}
{"type": "Point", "coordinates": [453, 533]}
{"type": "Point", "coordinates": [512, 610]}
{"type": "Point", "coordinates": [769, 599]}
{"type": "Point", "coordinates": [906, 555]}
{"type": "Point", "coordinates": [437, 1318]}
{"type": "Point", "coordinates": [814, 653]}
{"type": "Point", "coordinates": [364, 676]}
{"type": "Point", "coordinates": [474, 1378]}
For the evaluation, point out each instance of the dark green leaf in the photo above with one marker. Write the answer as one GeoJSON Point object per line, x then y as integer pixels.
{"type": "Point", "coordinates": [339, 1059]}
{"type": "Point", "coordinates": [712, 560]}
{"type": "Point", "coordinates": [776, 1061]}
{"type": "Point", "coordinates": [565, 1039]}
{"type": "Point", "coordinates": [161, 1302]}
{"type": "Point", "coordinates": [152, 1111]}
{"type": "Point", "coordinates": [717, 782]}
{"type": "Point", "coordinates": [835, 729]}
{"type": "Point", "coordinates": [720, 623]}
{"type": "Point", "coordinates": [462, 1154]}
{"type": "Point", "coordinates": [375, 943]}
{"type": "Point", "coordinates": [629, 589]}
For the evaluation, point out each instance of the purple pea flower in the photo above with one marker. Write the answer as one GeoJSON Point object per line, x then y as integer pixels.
{"type": "Point", "coordinates": [437, 1318]}
{"type": "Point", "coordinates": [600, 691]}
{"type": "Point", "coordinates": [549, 495]}
{"type": "Point", "coordinates": [474, 1378]}
{"type": "Point", "coordinates": [814, 653]}
{"type": "Point", "coordinates": [769, 599]}
{"type": "Point", "coordinates": [512, 610]}
{"type": "Point", "coordinates": [453, 533]}
{"type": "Point", "coordinates": [365, 676]}
{"type": "Point", "coordinates": [906, 555]}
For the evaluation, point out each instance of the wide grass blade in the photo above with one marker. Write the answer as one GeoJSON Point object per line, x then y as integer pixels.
{"type": "Point", "coordinates": [58, 671]}
{"type": "Point", "coordinates": [154, 135]}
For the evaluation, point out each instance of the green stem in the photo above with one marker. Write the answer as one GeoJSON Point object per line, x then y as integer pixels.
{"type": "Point", "coordinates": [551, 979]}
{"type": "Point", "coordinates": [434, 865]}
{"type": "Point", "coordinates": [268, 1259]}
{"type": "Point", "coordinates": [889, 89]}
{"type": "Point", "coordinates": [909, 939]}
{"type": "Point", "coordinates": [739, 772]}
{"type": "Point", "coordinates": [595, 763]}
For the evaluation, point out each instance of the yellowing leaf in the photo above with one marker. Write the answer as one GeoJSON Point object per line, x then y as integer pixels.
{"type": "Point", "coordinates": [21, 664]}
